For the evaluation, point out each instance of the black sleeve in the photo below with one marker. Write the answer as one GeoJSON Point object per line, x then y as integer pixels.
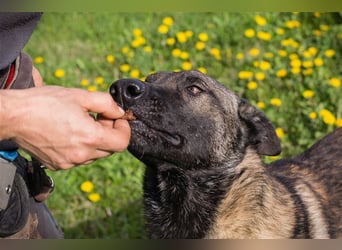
{"type": "Point", "coordinates": [15, 30]}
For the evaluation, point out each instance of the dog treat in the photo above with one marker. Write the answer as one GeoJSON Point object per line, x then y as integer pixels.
{"type": "Point", "coordinates": [129, 116]}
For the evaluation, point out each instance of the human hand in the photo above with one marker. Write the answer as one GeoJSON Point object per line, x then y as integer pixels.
{"type": "Point", "coordinates": [37, 78]}
{"type": "Point", "coordinates": [53, 124]}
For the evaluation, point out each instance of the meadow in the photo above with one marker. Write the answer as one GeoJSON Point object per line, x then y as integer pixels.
{"type": "Point", "coordinates": [287, 64]}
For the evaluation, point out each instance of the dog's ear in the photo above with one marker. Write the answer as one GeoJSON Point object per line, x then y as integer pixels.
{"type": "Point", "coordinates": [261, 133]}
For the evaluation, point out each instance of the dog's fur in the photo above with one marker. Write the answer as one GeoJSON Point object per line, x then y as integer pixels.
{"type": "Point", "coordinates": [204, 176]}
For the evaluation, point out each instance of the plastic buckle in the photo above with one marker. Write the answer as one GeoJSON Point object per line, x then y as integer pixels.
{"type": "Point", "coordinates": [7, 173]}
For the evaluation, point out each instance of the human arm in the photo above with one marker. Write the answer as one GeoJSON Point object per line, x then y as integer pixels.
{"type": "Point", "coordinates": [53, 124]}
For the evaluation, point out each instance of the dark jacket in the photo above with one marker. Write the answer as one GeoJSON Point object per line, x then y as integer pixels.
{"type": "Point", "coordinates": [15, 30]}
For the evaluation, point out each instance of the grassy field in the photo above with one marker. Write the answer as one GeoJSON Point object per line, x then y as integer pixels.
{"type": "Point", "coordinates": [285, 63]}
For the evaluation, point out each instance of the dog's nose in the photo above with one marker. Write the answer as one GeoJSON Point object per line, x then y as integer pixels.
{"type": "Point", "coordinates": [127, 91]}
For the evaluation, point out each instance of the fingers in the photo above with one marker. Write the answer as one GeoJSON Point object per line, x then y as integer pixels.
{"type": "Point", "coordinates": [101, 103]}
{"type": "Point", "coordinates": [37, 78]}
{"type": "Point", "coordinates": [115, 138]}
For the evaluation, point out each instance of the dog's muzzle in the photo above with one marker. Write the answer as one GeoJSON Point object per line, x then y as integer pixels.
{"type": "Point", "coordinates": [126, 92]}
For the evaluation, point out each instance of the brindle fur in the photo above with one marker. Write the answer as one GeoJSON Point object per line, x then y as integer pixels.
{"type": "Point", "coordinates": [204, 178]}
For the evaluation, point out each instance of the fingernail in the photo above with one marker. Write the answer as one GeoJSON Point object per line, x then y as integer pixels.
{"type": "Point", "coordinates": [121, 111]}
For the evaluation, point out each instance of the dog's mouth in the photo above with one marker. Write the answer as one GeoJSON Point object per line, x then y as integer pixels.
{"type": "Point", "coordinates": [142, 129]}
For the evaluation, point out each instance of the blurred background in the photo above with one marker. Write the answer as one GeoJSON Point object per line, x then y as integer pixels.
{"type": "Point", "coordinates": [286, 64]}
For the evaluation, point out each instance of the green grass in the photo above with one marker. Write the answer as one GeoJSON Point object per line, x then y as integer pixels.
{"type": "Point", "coordinates": [78, 44]}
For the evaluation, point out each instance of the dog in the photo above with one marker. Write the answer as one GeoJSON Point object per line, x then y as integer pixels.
{"type": "Point", "coordinates": [204, 177]}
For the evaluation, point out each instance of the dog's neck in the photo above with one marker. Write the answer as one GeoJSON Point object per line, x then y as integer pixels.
{"type": "Point", "coordinates": [183, 204]}
{"type": "Point", "coordinates": [250, 199]}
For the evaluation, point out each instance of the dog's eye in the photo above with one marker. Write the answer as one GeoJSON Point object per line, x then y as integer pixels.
{"type": "Point", "coordinates": [194, 90]}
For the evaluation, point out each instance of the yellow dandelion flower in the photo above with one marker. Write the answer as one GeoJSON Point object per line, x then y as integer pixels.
{"type": "Point", "coordinates": [261, 105]}
{"type": "Point", "coordinates": [289, 42]}
{"type": "Point", "coordinates": [335, 82]}
{"type": "Point", "coordinates": [181, 37]}
{"type": "Point", "coordinates": [38, 60]}
{"type": "Point", "coordinates": [92, 88]}
{"type": "Point", "coordinates": [339, 35]}
{"type": "Point", "coordinates": [252, 85]}
{"type": "Point", "coordinates": [202, 70]}
{"type": "Point", "coordinates": [200, 45]}
{"type": "Point", "coordinates": [84, 82]}
{"type": "Point", "coordinates": [136, 32]}
{"type": "Point", "coordinates": [280, 132]}
{"type": "Point", "coordinates": [163, 29]}
{"type": "Point", "coordinates": [167, 21]}
{"type": "Point", "coordinates": [338, 122]}
{"type": "Point", "coordinates": [308, 72]}
{"type": "Point", "coordinates": [307, 64]}
{"type": "Point", "coordinates": [189, 33]}
{"type": "Point", "coordinates": [94, 197]}
{"type": "Point", "coordinates": [170, 41]}
{"type": "Point", "coordinates": [264, 65]}
{"type": "Point", "coordinates": [239, 56]}
{"type": "Point", "coordinates": [184, 55]}
{"type": "Point", "coordinates": [124, 67]}
{"type": "Point", "coordinates": [307, 94]}
{"type": "Point", "coordinates": [99, 80]}
{"type": "Point", "coordinates": [316, 32]}
{"type": "Point", "coordinates": [186, 66]}
{"type": "Point", "coordinates": [317, 14]}
{"type": "Point", "coordinates": [215, 52]}
{"type": "Point", "coordinates": [176, 52]}
{"type": "Point", "coordinates": [275, 102]}
{"type": "Point", "coordinates": [254, 52]}
{"type": "Point", "coordinates": [268, 55]}
{"type": "Point", "coordinates": [203, 37]}
{"type": "Point", "coordinates": [313, 51]}
{"type": "Point", "coordinates": [296, 63]}
{"type": "Point", "coordinates": [147, 49]}
{"type": "Point", "coordinates": [306, 54]}
{"type": "Point", "coordinates": [281, 73]}
{"type": "Point", "coordinates": [124, 50]}
{"type": "Point", "coordinates": [318, 62]}
{"type": "Point", "coordinates": [243, 75]}
{"type": "Point", "coordinates": [293, 56]}
{"type": "Point", "coordinates": [295, 71]}
{"type": "Point", "coordinates": [110, 58]}
{"type": "Point", "coordinates": [87, 186]}
{"type": "Point", "coordinates": [265, 36]}
{"type": "Point", "coordinates": [135, 43]}
{"type": "Point", "coordinates": [324, 27]}
{"type": "Point", "coordinates": [312, 115]}
{"type": "Point", "coordinates": [282, 53]}
{"type": "Point", "coordinates": [261, 21]}
{"type": "Point", "coordinates": [327, 117]}
{"type": "Point", "coordinates": [256, 64]}
{"type": "Point", "coordinates": [134, 73]}
{"type": "Point", "coordinates": [59, 73]}
{"type": "Point", "coordinates": [329, 53]}
{"type": "Point", "coordinates": [249, 33]}
{"type": "Point", "coordinates": [280, 31]}
{"type": "Point", "coordinates": [291, 24]}
{"type": "Point", "coordinates": [324, 112]}
{"type": "Point", "coordinates": [273, 158]}
{"type": "Point", "coordinates": [260, 76]}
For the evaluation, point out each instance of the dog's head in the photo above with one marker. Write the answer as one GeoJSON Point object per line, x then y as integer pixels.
{"type": "Point", "coordinates": [192, 121]}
